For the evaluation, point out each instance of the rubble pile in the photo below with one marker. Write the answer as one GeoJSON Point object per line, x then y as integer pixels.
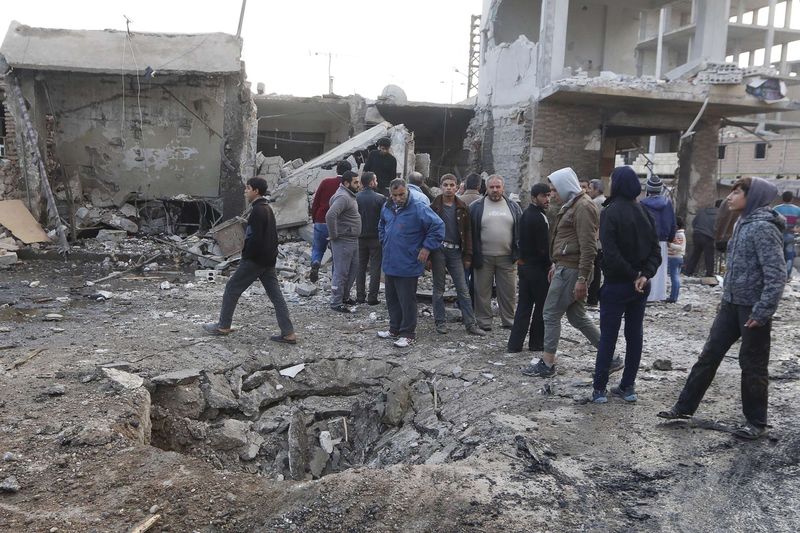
{"type": "Point", "coordinates": [8, 248]}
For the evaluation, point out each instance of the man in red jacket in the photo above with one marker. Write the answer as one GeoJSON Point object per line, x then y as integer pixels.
{"type": "Point", "coordinates": [258, 263]}
{"type": "Point", "coordinates": [319, 208]}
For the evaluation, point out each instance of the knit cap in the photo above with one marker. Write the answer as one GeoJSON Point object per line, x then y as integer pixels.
{"type": "Point", "coordinates": [654, 185]}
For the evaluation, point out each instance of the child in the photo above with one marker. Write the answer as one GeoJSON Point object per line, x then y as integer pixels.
{"type": "Point", "coordinates": [754, 282]}
{"type": "Point", "coordinates": [675, 251]}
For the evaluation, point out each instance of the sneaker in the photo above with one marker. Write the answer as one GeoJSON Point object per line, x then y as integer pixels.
{"type": "Point", "coordinates": [403, 342]}
{"type": "Point", "coordinates": [475, 330]}
{"type": "Point", "coordinates": [313, 276]}
{"type": "Point", "coordinates": [599, 396]}
{"type": "Point", "coordinates": [539, 370]}
{"type": "Point", "coordinates": [617, 364]}
{"type": "Point", "coordinates": [387, 335]}
{"type": "Point", "coordinates": [341, 308]}
{"type": "Point", "coordinates": [627, 394]}
{"type": "Point", "coordinates": [441, 328]}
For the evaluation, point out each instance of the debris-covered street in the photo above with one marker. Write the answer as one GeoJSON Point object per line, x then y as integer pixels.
{"type": "Point", "coordinates": [116, 407]}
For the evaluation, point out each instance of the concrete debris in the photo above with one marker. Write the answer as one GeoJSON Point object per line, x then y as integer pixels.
{"type": "Point", "coordinates": [292, 371]}
{"type": "Point", "coordinates": [179, 377]}
{"type": "Point", "coordinates": [298, 446]}
{"type": "Point", "coordinates": [230, 434]}
{"type": "Point", "coordinates": [53, 317]}
{"type": "Point", "coordinates": [306, 290]}
{"type": "Point", "coordinates": [111, 235]}
{"type": "Point", "coordinates": [125, 379]}
{"type": "Point", "coordinates": [8, 258]}
{"type": "Point", "coordinates": [662, 364]}
{"type": "Point", "coordinates": [10, 485]}
{"type": "Point", "coordinates": [326, 441]}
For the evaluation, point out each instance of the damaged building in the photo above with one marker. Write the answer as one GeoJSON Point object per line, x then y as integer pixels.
{"type": "Point", "coordinates": [109, 119]}
{"type": "Point", "coordinates": [579, 83]}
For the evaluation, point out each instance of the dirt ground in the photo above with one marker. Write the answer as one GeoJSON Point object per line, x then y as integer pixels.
{"type": "Point", "coordinates": [446, 436]}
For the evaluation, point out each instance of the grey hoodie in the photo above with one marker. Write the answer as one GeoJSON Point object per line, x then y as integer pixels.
{"type": "Point", "coordinates": [566, 183]}
{"type": "Point", "coordinates": [756, 271]}
{"type": "Point", "coordinates": [342, 218]}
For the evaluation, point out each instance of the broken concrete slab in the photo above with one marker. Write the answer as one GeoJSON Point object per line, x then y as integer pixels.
{"type": "Point", "coordinates": [218, 393]}
{"type": "Point", "coordinates": [178, 377]}
{"type": "Point", "coordinates": [125, 379]}
{"type": "Point", "coordinates": [8, 258]}
{"type": "Point", "coordinates": [184, 401]}
{"type": "Point", "coordinates": [290, 205]}
{"type": "Point", "coordinates": [306, 290]}
{"type": "Point", "coordinates": [231, 434]}
{"type": "Point", "coordinates": [16, 218]}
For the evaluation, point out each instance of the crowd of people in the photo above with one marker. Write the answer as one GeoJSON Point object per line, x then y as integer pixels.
{"type": "Point", "coordinates": [540, 264]}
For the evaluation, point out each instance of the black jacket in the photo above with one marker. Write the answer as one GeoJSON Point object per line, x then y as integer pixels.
{"type": "Point", "coordinates": [628, 232]}
{"type": "Point", "coordinates": [534, 238]}
{"type": "Point", "coordinates": [384, 166]}
{"type": "Point", "coordinates": [370, 204]}
{"type": "Point", "coordinates": [704, 221]}
{"type": "Point", "coordinates": [476, 216]}
{"type": "Point", "coordinates": [261, 235]}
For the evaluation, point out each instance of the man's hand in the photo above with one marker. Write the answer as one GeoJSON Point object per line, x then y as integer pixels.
{"type": "Point", "coordinates": [640, 284]}
{"type": "Point", "coordinates": [423, 255]}
{"type": "Point", "coordinates": [467, 263]}
{"type": "Point", "coordinates": [551, 274]}
{"type": "Point", "coordinates": [580, 291]}
{"type": "Point", "coordinates": [520, 262]}
{"type": "Point", "coordinates": [752, 324]}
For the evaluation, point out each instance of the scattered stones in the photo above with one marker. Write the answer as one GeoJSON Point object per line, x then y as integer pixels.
{"type": "Point", "coordinates": [179, 377]}
{"type": "Point", "coordinates": [8, 457]}
{"type": "Point", "coordinates": [8, 258]}
{"type": "Point", "coordinates": [53, 317]}
{"type": "Point", "coordinates": [34, 284]}
{"type": "Point", "coordinates": [318, 462]}
{"type": "Point", "coordinates": [292, 371]}
{"type": "Point", "coordinates": [231, 434]}
{"type": "Point", "coordinates": [218, 392]}
{"type": "Point", "coordinates": [111, 235]}
{"type": "Point", "coordinates": [662, 364]}
{"type": "Point", "coordinates": [125, 379]}
{"type": "Point", "coordinates": [10, 485]}
{"type": "Point", "coordinates": [306, 290]}
{"type": "Point", "coordinates": [398, 400]}
{"type": "Point", "coordinates": [326, 441]}
{"type": "Point", "coordinates": [55, 390]}
{"type": "Point", "coordinates": [457, 372]}
{"type": "Point", "coordinates": [165, 286]}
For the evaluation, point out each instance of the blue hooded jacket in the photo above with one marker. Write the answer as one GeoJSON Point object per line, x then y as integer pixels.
{"type": "Point", "coordinates": [403, 232]}
{"type": "Point", "coordinates": [664, 215]}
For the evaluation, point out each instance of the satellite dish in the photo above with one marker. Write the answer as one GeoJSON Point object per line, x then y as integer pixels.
{"type": "Point", "coordinates": [393, 94]}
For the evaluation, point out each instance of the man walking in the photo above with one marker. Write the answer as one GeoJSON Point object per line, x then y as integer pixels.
{"type": "Point", "coordinates": [344, 228]}
{"type": "Point", "coordinates": [754, 281]}
{"type": "Point", "coordinates": [631, 256]}
{"type": "Point", "coordinates": [258, 263]}
{"type": "Point", "coordinates": [409, 231]}
{"type": "Point", "coordinates": [703, 239]}
{"type": "Point", "coordinates": [573, 249]}
{"type": "Point", "coordinates": [495, 238]}
{"type": "Point", "coordinates": [453, 257]}
{"type": "Point", "coordinates": [319, 208]}
{"type": "Point", "coordinates": [792, 215]}
{"type": "Point", "coordinates": [383, 164]}
{"type": "Point", "coordinates": [370, 202]}
{"type": "Point", "coordinates": [664, 215]}
{"type": "Point", "coordinates": [532, 266]}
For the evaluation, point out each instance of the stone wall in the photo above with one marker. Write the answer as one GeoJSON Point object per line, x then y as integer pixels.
{"type": "Point", "coordinates": [9, 164]}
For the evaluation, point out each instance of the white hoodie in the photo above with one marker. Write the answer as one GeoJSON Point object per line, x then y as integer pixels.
{"type": "Point", "coordinates": [566, 183]}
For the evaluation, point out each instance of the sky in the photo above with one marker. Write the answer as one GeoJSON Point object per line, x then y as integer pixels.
{"type": "Point", "coordinates": [417, 46]}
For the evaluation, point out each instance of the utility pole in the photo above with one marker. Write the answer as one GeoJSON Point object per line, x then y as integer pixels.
{"type": "Point", "coordinates": [241, 20]}
{"type": "Point", "coordinates": [474, 54]}
{"type": "Point", "coordinates": [330, 78]}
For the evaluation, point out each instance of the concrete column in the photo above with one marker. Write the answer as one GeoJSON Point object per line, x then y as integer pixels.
{"type": "Point", "coordinates": [783, 70]}
{"type": "Point", "coordinates": [662, 16]}
{"type": "Point", "coordinates": [711, 32]}
{"type": "Point", "coordinates": [787, 22]}
{"type": "Point", "coordinates": [552, 40]}
{"type": "Point", "coordinates": [740, 12]}
{"type": "Point", "coordinates": [769, 41]}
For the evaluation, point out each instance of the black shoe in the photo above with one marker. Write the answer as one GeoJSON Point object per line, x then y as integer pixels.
{"type": "Point", "coordinates": [750, 432]}
{"type": "Point", "coordinates": [341, 309]}
{"type": "Point", "coordinates": [373, 302]}
{"type": "Point", "coordinates": [540, 370]}
{"type": "Point", "coordinates": [313, 276]}
{"type": "Point", "coordinates": [673, 414]}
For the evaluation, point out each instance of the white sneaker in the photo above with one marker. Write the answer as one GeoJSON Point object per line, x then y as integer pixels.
{"type": "Point", "coordinates": [386, 335]}
{"type": "Point", "coordinates": [403, 342]}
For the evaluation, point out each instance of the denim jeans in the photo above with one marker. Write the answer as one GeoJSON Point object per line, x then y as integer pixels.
{"type": "Point", "coordinates": [370, 254]}
{"type": "Point", "coordinates": [560, 300]}
{"type": "Point", "coordinates": [320, 242]}
{"type": "Point", "coordinates": [619, 300]}
{"type": "Point", "coordinates": [244, 276]}
{"type": "Point", "coordinates": [446, 260]}
{"type": "Point", "coordinates": [728, 327]}
{"type": "Point", "coordinates": [674, 268]}
{"type": "Point", "coordinates": [528, 320]}
{"type": "Point", "coordinates": [345, 268]}
{"type": "Point", "coordinates": [788, 253]}
{"type": "Point", "coordinates": [401, 302]}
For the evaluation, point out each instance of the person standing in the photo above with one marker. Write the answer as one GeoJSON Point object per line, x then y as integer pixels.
{"type": "Point", "coordinates": [631, 258]}
{"type": "Point", "coordinates": [344, 228]}
{"type": "Point", "coordinates": [754, 281]}
{"type": "Point", "coordinates": [471, 192]}
{"type": "Point", "coordinates": [495, 238]}
{"type": "Point", "coordinates": [409, 231]}
{"type": "Point", "coordinates": [370, 203]}
{"type": "Point", "coordinates": [596, 189]}
{"type": "Point", "coordinates": [532, 268]}
{"type": "Point", "coordinates": [383, 164]}
{"type": "Point", "coordinates": [675, 251]}
{"type": "Point", "coordinates": [703, 239]}
{"type": "Point", "coordinates": [453, 257]}
{"type": "Point", "coordinates": [572, 250]}
{"type": "Point", "coordinates": [664, 215]}
{"type": "Point", "coordinates": [791, 213]}
{"type": "Point", "coordinates": [415, 187]}
{"type": "Point", "coordinates": [259, 255]}
{"type": "Point", "coordinates": [319, 208]}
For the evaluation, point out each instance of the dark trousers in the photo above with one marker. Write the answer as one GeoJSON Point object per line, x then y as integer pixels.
{"type": "Point", "coordinates": [244, 276]}
{"type": "Point", "coordinates": [528, 320]}
{"type": "Point", "coordinates": [619, 300]}
{"type": "Point", "coordinates": [728, 327]}
{"type": "Point", "coordinates": [702, 245]}
{"type": "Point", "coordinates": [370, 255]}
{"type": "Point", "coordinates": [593, 295]}
{"type": "Point", "coordinates": [401, 301]}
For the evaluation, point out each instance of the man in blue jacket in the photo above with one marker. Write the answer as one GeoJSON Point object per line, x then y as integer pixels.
{"type": "Point", "coordinates": [409, 231]}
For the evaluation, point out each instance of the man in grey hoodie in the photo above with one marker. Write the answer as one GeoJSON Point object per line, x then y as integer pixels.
{"type": "Point", "coordinates": [344, 228]}
{"type": "Point", "coordinates": [754, 282]}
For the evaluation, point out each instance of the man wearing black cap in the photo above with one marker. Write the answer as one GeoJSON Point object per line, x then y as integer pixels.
{"type": "Point", "coordinates": [383, 164]}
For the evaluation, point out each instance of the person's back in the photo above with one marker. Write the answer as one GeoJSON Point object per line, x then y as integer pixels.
{"type": "Point", "coordinates": [370, 203]}
{"type": "Point", "coordinates": [383, 164]}
{"type": "Point", "coordinates": [791, 213]}
{"type": "Point", "coordinates": [704, 221]}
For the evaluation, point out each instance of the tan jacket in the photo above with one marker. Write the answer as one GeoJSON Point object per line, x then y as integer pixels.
{"type": "Point", "coordinates": [574, 243]}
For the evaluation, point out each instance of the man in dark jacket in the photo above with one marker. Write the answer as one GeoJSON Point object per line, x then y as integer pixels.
{"type": "Point", "coordinates": [495, 238]}
{"type": "Point", "coordinates": [319, 208]}
{"type": "Point", "coordinates": [409, 231]}
{"type": "Point", "coordinates": [370, 202]}
{"type": "Point", "coordinates": [454, 255]}
{"type": "Point", "coordinates": [664, 215]}
{"type": "Point", "coordinates": [631, 256]}
{"type": "Point", "coordinates": [258, 262]}
{"type": "Point", "coordinates": [344, 227]}
{"type": "Point", "coordinates": [703, 239]}
{"type": "Point", "coordinates": [754, 281]}
{"type": "Point", "coordinates": [383, 164]}
{"type": "Point", "coordinates": [532, 268]}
